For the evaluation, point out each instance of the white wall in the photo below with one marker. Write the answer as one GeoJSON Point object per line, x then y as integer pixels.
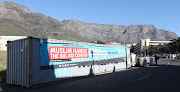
{"type": "Point", "coordinates": [4, 39]}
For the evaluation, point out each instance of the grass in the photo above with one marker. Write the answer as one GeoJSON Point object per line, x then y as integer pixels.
{"type": "Point", "coordinates": [3, 63]}
{"type": "Point", "coordinates": [2, 74]}
{"type": "Point", "coordinates": [11, 29]}
{"type": "Point", "coordinates": [3, 59]}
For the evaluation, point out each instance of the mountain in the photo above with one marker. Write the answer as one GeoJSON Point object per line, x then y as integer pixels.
{"type": "Point", "coordinates": [118, 33]}
{"type": "Point", "coordinates": [16, 19]}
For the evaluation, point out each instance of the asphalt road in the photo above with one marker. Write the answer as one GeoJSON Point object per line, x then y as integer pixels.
{"type": "Point", "coordinates": [165, 77]}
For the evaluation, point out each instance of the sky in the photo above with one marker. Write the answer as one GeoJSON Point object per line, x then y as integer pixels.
{"type": "Point", "coordinates": [164, 14]}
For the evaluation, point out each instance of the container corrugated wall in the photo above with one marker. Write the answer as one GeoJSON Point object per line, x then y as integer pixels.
{"type": "Point", "coordinates": [17, 62]}
{"type": "Point", "coordinates": [23, 62]}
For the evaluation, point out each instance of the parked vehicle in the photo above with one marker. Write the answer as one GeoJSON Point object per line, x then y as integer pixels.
{"type": "Point", "coordinates": [178, 56]}
{"type": "Point", "coordinates": [164, 55]}
{"type": "Point", "coordinates": [145, 61]}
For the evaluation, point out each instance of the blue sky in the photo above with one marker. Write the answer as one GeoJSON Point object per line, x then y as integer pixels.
{"type": "Point", "coordinates": [164, 14]}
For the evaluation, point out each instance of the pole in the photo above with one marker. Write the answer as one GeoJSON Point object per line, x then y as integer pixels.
{"type": "Point", "coordinates": [177, 45]}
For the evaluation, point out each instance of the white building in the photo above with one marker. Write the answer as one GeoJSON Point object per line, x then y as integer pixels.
{"type": "Point", "coordinates": [147, 42]}
{"type": "Point", "coordinates": [4, 39]}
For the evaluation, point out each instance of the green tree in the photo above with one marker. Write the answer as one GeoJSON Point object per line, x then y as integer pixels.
{"type": "Point", "coordinates": [152, 50]}
{"type": "Point", "coordinates": [100, 42]}
{"type": "Point", "coordinates": [172, 47]}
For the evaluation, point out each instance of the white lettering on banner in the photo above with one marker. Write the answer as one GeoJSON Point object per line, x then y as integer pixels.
{"type": "Point", "coordinates": [62, 56]}
{"type": "Point", "coordinates": [52, 50]}
{"type": "Point", "coordinates": [56, 53]}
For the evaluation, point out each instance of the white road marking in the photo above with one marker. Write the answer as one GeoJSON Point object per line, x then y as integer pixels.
{"type": "Point", "coordinates": [167, 65]}
{"type": "Point", "coordinates": [164, 67]}
{"type": "Point", "coordinates": [1, 89]}
{"type": "Point", "coordinates": [144, 77]}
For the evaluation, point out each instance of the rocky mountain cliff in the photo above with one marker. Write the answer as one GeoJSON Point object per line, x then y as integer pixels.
{"type": "Point", "coordinates": [118, 33]}
{"type": "Point", "coordinates": [16, 19]}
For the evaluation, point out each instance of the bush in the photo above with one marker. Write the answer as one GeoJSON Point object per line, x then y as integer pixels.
{"type": "Point", "coordinates": [2, 74]}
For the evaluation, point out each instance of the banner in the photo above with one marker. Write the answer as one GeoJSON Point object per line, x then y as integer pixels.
{"type": "Point", "coordinates": [54, 54]}
{"type": "Point", "coordinates": [58, 53]}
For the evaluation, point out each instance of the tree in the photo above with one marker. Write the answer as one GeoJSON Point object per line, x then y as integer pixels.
{"type": "Point", "coordinates": [172, 47]}
{"type": "Point", "coordinates": [93, 42]}
{"type": "Point", "coordinates": [152, 50]}
{"type": "Point", "coordinates": [98, 42]}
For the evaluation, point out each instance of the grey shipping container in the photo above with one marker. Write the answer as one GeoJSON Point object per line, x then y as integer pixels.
{"type": "Point", "coordinates": [22, 59]}
{"type": "Point", "coordinates": [24, 64]}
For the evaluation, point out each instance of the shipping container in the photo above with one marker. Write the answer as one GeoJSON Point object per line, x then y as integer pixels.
{"type": "Point", "coordinates": [32, 61]}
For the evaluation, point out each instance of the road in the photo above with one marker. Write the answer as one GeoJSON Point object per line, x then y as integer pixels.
{"type": "Point", "coordinates": [164, 77]}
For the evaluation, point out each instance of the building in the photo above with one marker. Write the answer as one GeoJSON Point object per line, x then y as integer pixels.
{"type": "Point", "coordinates": [4, 39]}
{"type": "Point", "coordinates": [145, 43]}
{"type": "Point", "coordinates": [135, 47]}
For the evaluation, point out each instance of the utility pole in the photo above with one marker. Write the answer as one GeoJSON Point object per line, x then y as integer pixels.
{"type": "Point", "coordinates": [141, 51]}
{"type": "Point", "coordinates": [177, 44]}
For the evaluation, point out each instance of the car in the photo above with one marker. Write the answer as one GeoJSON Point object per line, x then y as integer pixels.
{"type": "Point", "coordinates": [178, 56]}
{"type": "Point", "coordinates": [158, 55]}
{"type": "Point", "coordinates": [164, 55]}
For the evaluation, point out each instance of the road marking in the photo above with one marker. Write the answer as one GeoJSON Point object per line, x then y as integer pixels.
{"type": "Point", "coordinates": [167, 65]}
{"type": "Point", "coordinates": [144, 77]}
{"type": "Point", "coordinates": [164, 67]}
{"type": "Point", "coordinates": [1, 89]}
